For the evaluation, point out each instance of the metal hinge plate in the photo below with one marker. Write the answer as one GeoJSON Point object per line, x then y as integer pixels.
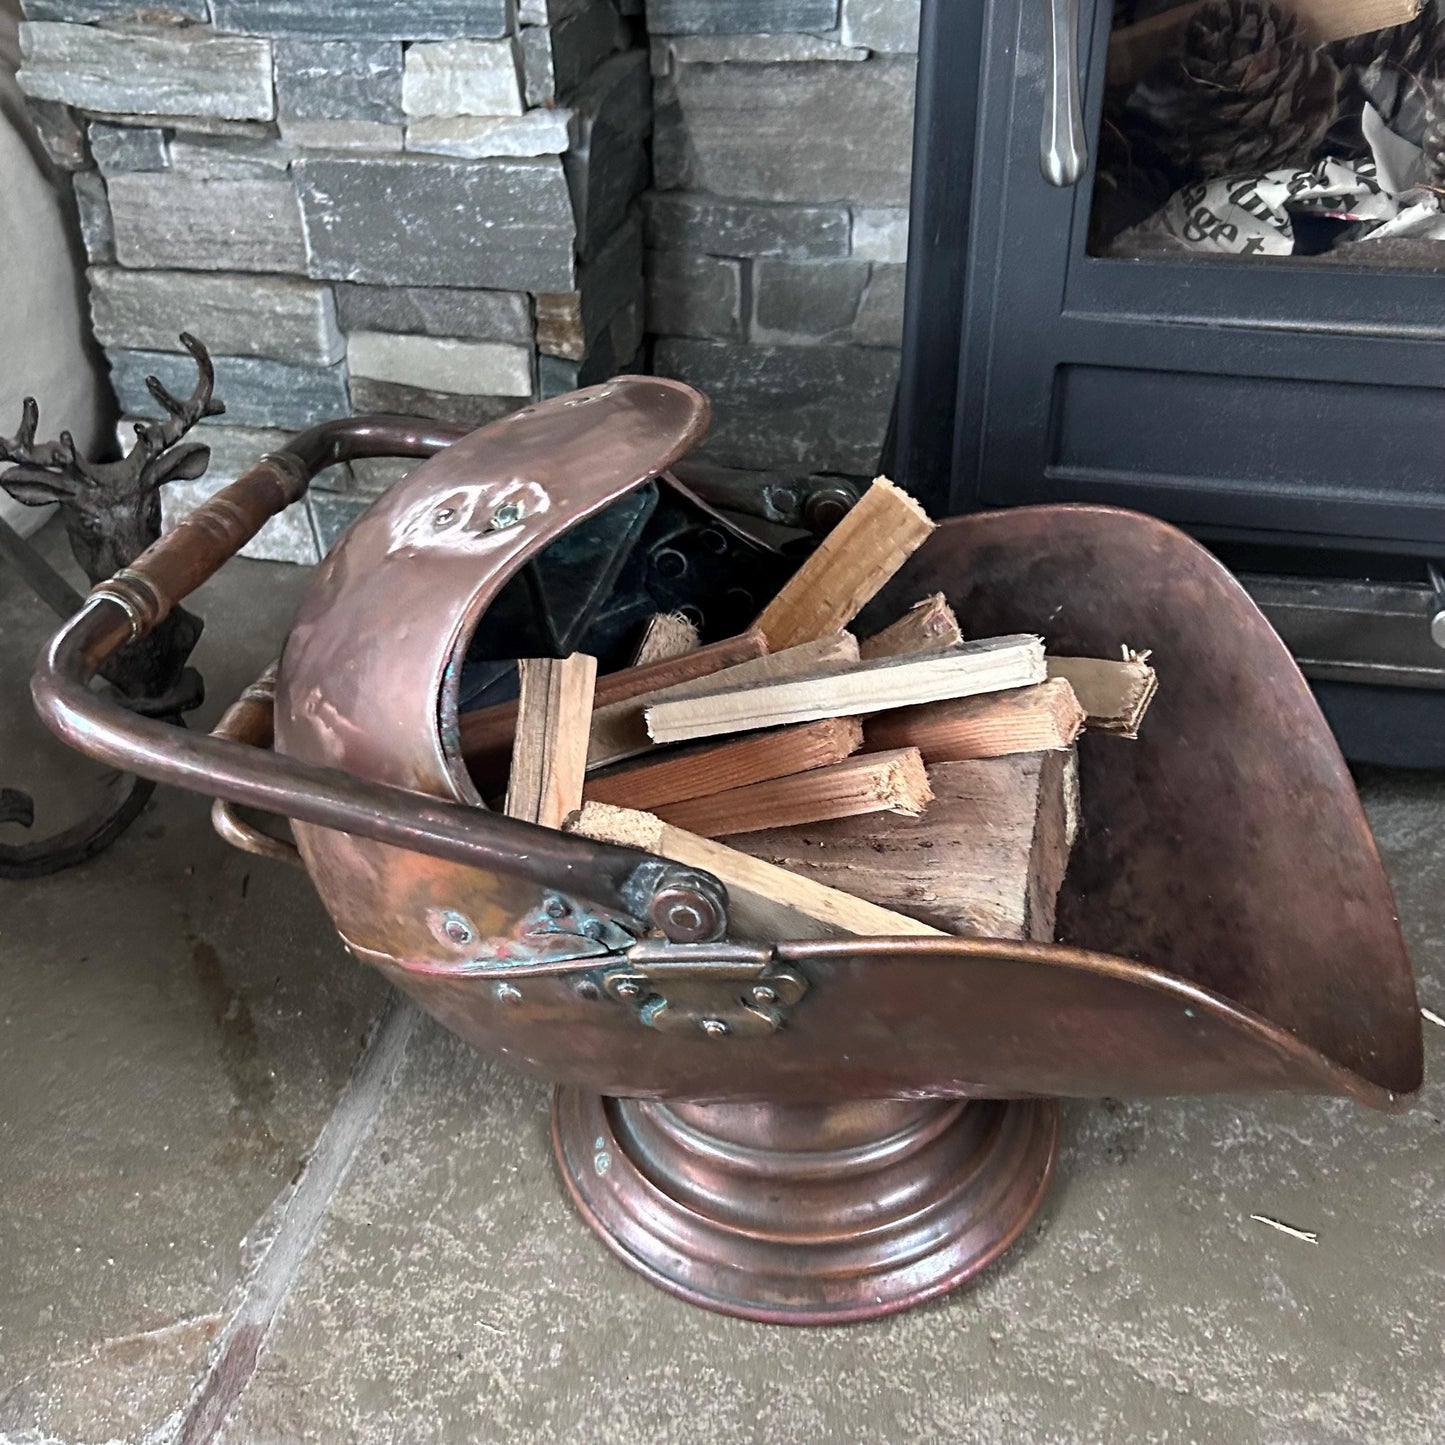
{"type": "Point", "coordinates": [708, 990]}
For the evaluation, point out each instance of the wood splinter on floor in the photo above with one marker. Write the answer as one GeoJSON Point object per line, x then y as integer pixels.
{"type": "Point", "coordinates": [1430, 1016]}
{"type": "Point", "coordinates": [1307, 1235]}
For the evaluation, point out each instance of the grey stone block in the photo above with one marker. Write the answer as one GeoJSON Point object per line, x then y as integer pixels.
{"type": "Point", "coordinates": [474, 411]}
{"type": "Point", "coordinates": [290, 536]}
{"type": "Point", "coordinates": [880, 233]}
{"type": "Point", "coordinates": [739, 17]}
{"type": "Point", "coordinates": [62, 134]}
{"type": "Point", "coordinates": [691, 295]}
{"type": "Point", "coordinates": [364, 19]}
{"type": "Point", "coordinates": [887, 26]}
{"type": "Point", "coordinates": [549, 12]}
{"type": "Point", "coordinates": [568, 322]}
{"type": "Point", "coordinates": [441, 363]}
{"type": "Point", "coordinates": [92, 205]}
{"type": "Point", "coordinates": [183, 71]}
{"type": "Point", "coordinates": [436, 311]}
{"type": "Point", "coordinates": [820, 408]}
{"type": "Point", "coordinates": [802, 301]}
{"type": "Point", "coordinates": [541, 132]}
{"type": "Point", "coordinates": [328, 80]}
{"type": "Point", "coordinates": [230, 158]}
{"type": "Point", "coordinates": [171, 221]}
{"type": "Point", "coordinates": [705, 224]}
{"type": "Point", "coordinates": [257, 391]}
{"type": "Point", "coordinates": [195, 125]}
{"type": "Point", "coordinates": [672, 50]}
{"type": "Point", "coordinates": [235, 315]}
{"type": "Point", "coordinates": [880, 314]}
{"type": "Point", "coordinates": [84, 12]}
{"type": "Point", "coordinates": [406, 220]}
{"type": "Point", "coordinates": [556, 377]}
{"type": "Point", "coordinates": [735, 130]}
{"type": "Point", "coordinates": [129, 148]}
{"type": "Point", "coordinates": [556, 59]}
{"type": "Point", "coordinates": [343, 135]}
{"type": "Point", "coordinates": [607, 166]}
{"type": "Point", "coordinates": [447, 78]}
{"type": "Point", "coordinates": [333, 514]}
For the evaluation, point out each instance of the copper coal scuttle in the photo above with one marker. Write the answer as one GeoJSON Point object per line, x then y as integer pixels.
{"type": "Point", "coordinates": [878, 1121]}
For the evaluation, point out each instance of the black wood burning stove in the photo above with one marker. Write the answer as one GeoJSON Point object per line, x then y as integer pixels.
{"type": "Point", "coordinates": [1287, 411]}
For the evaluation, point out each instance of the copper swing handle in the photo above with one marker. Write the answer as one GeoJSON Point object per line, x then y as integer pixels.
{"type": "Point", "coordinates": [130, 604]}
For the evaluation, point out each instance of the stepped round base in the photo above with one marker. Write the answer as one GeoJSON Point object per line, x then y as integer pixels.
{"type": "Point", "coordinates": [805, 1215]}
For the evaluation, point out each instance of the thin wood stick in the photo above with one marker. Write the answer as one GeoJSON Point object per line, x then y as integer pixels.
{"type": "Point", "coordinates": [1114, 695]}
{"type": "Point", "coordinates": [701, 772]}
{"type": "Point", "coordinates": [986, 858]}
{"type": "Point", "coordinates": [964, 671]}
{"type": "Point", "coordinates": [891, 782]}
{"type": "Point", "coordinates": [765, 903]}
{"type": "Point", "coordinates": [1044, 718]}
{"type": "Point", "coordinates": [620, 730]}
{"type": "Point", "coordinates": [925, 627]}
{"type": "Point", "coordinates": [849, 568]}
{"type": "Point", "coordinates": [486, 734]}
{"type": "Point", "coordinates": [667, 635]}
{"type": "Point", "coordinates": [549, 760]}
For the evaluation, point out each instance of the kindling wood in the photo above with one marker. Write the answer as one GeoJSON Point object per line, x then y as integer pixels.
{"type": "Point", "coordinates": [667, 635]}
{"type": "Point", "coordinates": [849, 568]}
{"type": "Point", "coordinates": [1115, 695]}
{"type": "Point", "coordinates": [964, 671]}
{"type": "Point", "coordinates": [765, 903]}
{"type": "Point", "coordinates": [885, 782]}
{"type": "Point", "coordinates": [925, 627]}
{"type": "Point", "coordinates": [620, 730]}
{"type": "Point", "coordinates": [987, 858]}
{"type": "Point", "coordinates": [549, 759]}
{"type": "Point", "coordinates": [1045, 717]}
{"type": "Point", "coordinates": [702, 771]}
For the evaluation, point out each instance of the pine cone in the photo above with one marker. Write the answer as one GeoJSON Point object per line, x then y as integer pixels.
{"type": "Point", "coordinates": [1249, 93]}
{"type": "Point", "coordinates": [1401, 72]}
{"type": "Point", "coordinates": [1433, 140]}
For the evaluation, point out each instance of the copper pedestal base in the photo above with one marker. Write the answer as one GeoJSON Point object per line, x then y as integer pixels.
{"type": "Point", "coordinates": [798, 1215]}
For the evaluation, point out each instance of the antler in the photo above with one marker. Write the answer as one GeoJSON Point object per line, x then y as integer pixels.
{"type": "Point", "coordinates": [56, 471]}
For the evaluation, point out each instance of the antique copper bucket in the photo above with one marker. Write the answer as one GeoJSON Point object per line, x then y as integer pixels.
{"type": "Point", "coordinates": [876, 1122]}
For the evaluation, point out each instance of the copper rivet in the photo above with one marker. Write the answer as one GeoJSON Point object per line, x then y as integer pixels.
{"type": "Point", "coordinates": [508, 993]}
{"type": "Point", "coordinates": [714, 1028]}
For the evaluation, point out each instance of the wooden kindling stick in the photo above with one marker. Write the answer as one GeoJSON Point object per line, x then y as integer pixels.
{"type": "Point", "coordinates": [765, 903]}
{"type": "Point", "coordinates": [849, 568]}
{"type": "Point", "coordinates": [964, 671]}
{"type": "Point", "coordinates": [667, 635]}
{"type": "Point", "coordinates": [620, 730]}
{"type": "Point", "coordinates": [889, 782]}
{"type": "Point", "coordinates": [1115, 695]}
{"type": "Point", "coordinates": [926, 626]}
{"type": "Point", "coordinates": [1044, 718]}
{"type": "Point", "coordinates": [700, 772]}
{"type": "Point", "coordinates": [549, 760]}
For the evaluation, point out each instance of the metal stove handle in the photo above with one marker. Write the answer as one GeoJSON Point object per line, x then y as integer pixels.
{"type": "Point", "coordinates": [684, 905]}
{"type": "Point", "coordinates": [1065, 148]}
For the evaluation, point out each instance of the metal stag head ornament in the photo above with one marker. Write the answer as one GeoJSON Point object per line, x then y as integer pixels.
{"type": "Point", "coordinates": [891, 1128]}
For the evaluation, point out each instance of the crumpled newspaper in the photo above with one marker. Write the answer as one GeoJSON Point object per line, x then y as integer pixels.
{"type": "Point", "coordinates": [1254, 215]}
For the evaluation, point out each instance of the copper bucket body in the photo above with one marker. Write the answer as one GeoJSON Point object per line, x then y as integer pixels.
{"type": "Point", "coordinates": [1226, 924]}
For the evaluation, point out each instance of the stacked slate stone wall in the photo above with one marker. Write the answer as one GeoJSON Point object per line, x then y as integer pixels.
{"type": "Point", "coordinates": [777, 229]}
{"type": "Point", "coordinates": [358, 205]}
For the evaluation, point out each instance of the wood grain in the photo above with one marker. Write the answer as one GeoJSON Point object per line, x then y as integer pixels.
{"type": "Point", "coordinates": [1114, 695]}
{"type": "Point", "coordinates": [701, 771]}
{"type": "Point", "coordinates": [765, 903]}
{"type": "Point", "coordinates": [554, 718]}
{"type": "Point", "coordinates": [963, 671]}
{"type": "Point", "coordinates": [987, 858]}
{"type": "Point", "coordinates": [850, 566]}
{"type": "Point", "coordinates": [884, 782]}
{"type": "Point", "coordinates": [486, 734]}
{"type": "Point", "coordinates": [619, 730]}
{"type": "Point", "coordinates": [925, 627]}
{"type": "Point", "coordinates": [1044, 718]}
{"type": "Point", "coordinates": [667, 635]}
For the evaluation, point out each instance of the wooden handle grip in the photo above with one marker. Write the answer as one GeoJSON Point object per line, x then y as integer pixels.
{"type": "Point", "coordinates": [172, 567]}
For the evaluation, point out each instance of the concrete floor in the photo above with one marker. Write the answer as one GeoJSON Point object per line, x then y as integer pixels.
{"type": "Point", "coordinates": [178, 1024]}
